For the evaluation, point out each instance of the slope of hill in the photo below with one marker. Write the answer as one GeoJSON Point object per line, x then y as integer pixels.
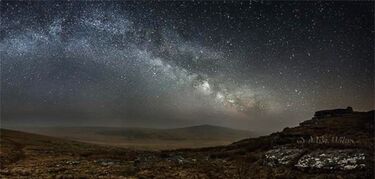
{"type": "Point", "coordinates": [148, 138]}
{"type": "Point", "coordinates": [207, 132]}
{"type": "Point", "coordinates": [329, 147]}
{"type": "Point", "coordinates": [25, 155]}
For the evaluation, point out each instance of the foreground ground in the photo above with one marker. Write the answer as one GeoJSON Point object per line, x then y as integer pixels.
{"type": "Point", "coordinates": [333, 147]}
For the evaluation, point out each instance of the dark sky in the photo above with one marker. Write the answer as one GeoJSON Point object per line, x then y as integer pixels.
{"type": "Point", "coordinates": [250, 65]}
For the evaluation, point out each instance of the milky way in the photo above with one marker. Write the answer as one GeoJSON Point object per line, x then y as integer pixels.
{"type": "Point", "coordinates": [164, 64]}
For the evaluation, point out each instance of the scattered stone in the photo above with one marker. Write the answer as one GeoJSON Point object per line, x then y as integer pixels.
{"type": "Point", "coordinates": [177, 159]}
{"type": "Point", "coordinates": [105, 162]}
{"type": "Point", "coordinates": [73, 162]}
{"type": "Point", "coordinates": [4, 172]}
{"type": "Point", "coordinates": [281, 156]}
{"type": "Point", "coordinates": [333, 159]}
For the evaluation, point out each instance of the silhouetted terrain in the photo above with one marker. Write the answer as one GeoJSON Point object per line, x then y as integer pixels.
{"type": "Point", "coordinates": [334, 146]}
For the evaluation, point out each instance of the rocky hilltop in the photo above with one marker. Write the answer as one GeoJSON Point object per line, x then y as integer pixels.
{"type": "Point", "coordinates": [338, 145]}
{"type": "Point", "coordinates": [330, 145]}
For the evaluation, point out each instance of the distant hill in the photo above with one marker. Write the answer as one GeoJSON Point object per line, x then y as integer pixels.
{"type": "Point", "coordinates": [148, 138]}
{"type": "Point", "coordinates": [203, 132]}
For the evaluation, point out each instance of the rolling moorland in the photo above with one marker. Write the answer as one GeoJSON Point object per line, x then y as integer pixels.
{"type": "Point", "coordinates": [147, 138]}
{"type": "Point", "coordinates": [328, 146]}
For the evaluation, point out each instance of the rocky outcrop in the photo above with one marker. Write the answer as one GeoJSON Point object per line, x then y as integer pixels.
{"type": "Point", "coordinates": [335, 146]}
{"type": "Point", "coordinates": [348, 159]}
{"type": "Point", "coordinates": [333, 112]}
{"type": "Point", "coordinates": [333, 160]}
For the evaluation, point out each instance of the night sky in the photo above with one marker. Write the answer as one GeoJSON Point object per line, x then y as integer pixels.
{"type": "Point", "coordinates": [252, 65]}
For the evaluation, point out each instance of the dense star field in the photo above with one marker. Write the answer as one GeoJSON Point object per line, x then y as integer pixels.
{"type": "Point", "coordinates": [249, 65]}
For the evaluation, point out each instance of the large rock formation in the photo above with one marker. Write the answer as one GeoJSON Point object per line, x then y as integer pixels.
{"type": "Point", "coordinates": [333, 112]}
